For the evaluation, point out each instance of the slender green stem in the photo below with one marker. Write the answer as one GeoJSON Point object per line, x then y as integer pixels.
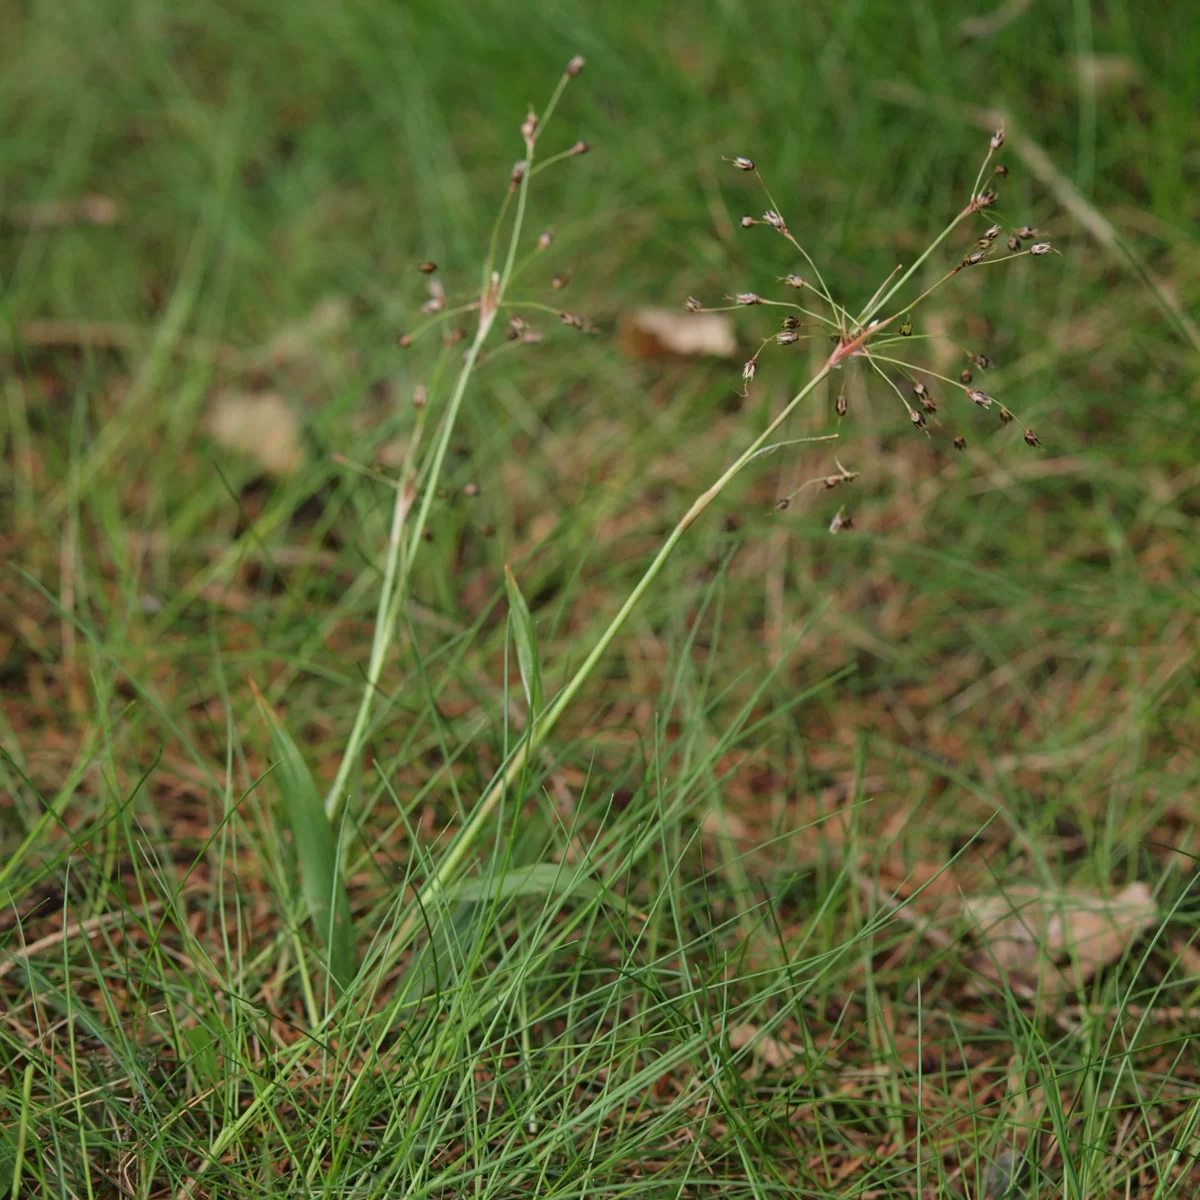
{"type": "Point", "coordinates": [549, 718]}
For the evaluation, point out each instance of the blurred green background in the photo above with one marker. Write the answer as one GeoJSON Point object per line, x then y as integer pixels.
{"type": "Point", "coordinates": [215, 202]}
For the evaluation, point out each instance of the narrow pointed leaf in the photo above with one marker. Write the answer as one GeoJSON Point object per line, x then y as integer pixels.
{"type": "Point", "coordinates": [316, 850]}
{"type": "Point", "coordinates": [525, 635]}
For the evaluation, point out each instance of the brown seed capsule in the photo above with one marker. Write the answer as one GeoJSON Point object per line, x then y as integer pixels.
{"type": "Point", "coordinates": [1040, 248]}
{"type": "Point", "coordinates": [928, 405]}
{"type": "Point", "coordinates": [981, 361]}
{"type": "Point", "coordinates": [1001, 170]}
{"type": "Point", "coordinates": [917, 417]}
{"type": "Point", "coordinates": [1032, 438]}
{"type": "Point", "coordinates": [427, 268]}
{"type": "Point", "coordinates": [419, 396]}
{"type": "Point", "coordinates": [692, 304]}
{"type": "Point", "coordinates": [793, 281]}
{"type": "Point", "coordinates": [1005, 415]}
{"type": "Point", "coordinates": [841, 406]}
{"type": "Point", "coordinates": [973, 259]}
{"type": "Point", "coordinates": [780, 505]}
{"type": "Point", "coordinates": [790, 322]}
{"type": "Point", "coordinates": [580, 147]}
{"type": "Point", "coordinates": [773, 219]}
{"type": "Point", "coordinates": [748, 371]}
{"type": "Point", "coordinates": [404, 341]}
{"type": "Point", "coordinates": [515, 328]}
{"type": "Point", "coordinates": [998, 138]}
{"type": "Point", "coordinates": [545, 238]}
{"type": "Point", "coordinates": [1014, 244]}
{"type": "Point", "coordinates": [787, 337]}
{"type": "Point", "coordinates": [1026, 231]}
{"type": "Point", "coordinates": [742, 164]}
{"type": "Point", "coordinates": [842, 520]}
{"type": "Point", "coordinates": [559, 282]}
{"type": "Point", "coordinates": [985, 199]}
{"type": "Point", "coordinates": [470, 489]}
{"type": "Point", "coordinates": [920, 388]}
{"type": "Point", "coordinates": [518, 172]}
{"type": "Point", "coordinates": [981, 398]}
{"type": "Point", "coordinates": [575, 65]}
{"type": "Point", "coordinates": [748, 221]}
{"type": "Point", "coordinates": [748, 298]}
{"type": "Point", "coordinates": [960, 442]}
{"type": "Point", "coordinates": [965, 375]}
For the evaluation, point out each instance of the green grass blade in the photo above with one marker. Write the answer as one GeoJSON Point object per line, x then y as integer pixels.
{"type": "Point", "coordinates": [525, 634]}
{"type": "Point", "coordinates": [316, 850]}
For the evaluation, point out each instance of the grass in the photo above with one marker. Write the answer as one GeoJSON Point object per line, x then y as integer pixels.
{"type": "Point", "coordinates": [712, 938]}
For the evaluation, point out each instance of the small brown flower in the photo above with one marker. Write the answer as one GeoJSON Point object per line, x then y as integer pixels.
{"type": "Point", "coordinates": [981, 361]}
{"type": "Point", "coordinates": [1026, 231]}
{"type": "Point", "coordinates": [748, 298]}
{"type": "Point", "coordinates": [529, 125]}
{"type": "Point", "coordinates": [692, 304]}
{"type": "Point", "coordinates": [842, 520]}
{"type": "Point", "coordinates": [514, 329]}
{"type": "Point", "coordinates": [974, 258]}
{"type": "Point", "coordinates": [917, 417]}
{"type": "Point", "coordinates": [427, 268]}
{"type": "Point", "coordinates": [470, 489]}
{"type": "Point", "coordinates": [742, 164]}
{"type": "Point", "coordinates": [920, 389]}
{"type": "Point", "coordinates": [787, 337]}
{"type": "Point", "coordinates": [998, 138]}
{"type": "Point", "coordinates": [960, 442]}
{"type": "Point", "coordinates": [928, 405]}
{"type": "Point", "coordinates": [420, 395]}
{"type": "Point", "coordinates": [1041, 248]}
{"type": "Point", "coordinates": [1014, 244]}
{"type": "Point", "coordinates": [1005, 415]}
{"type": "Point", "coordinates": [965, 375]}
{"type": "Point", "coordinates": [518, 172]}
{"type": "Point", "coordinates": [1032, 438]}
{"type": "Point", "coordinates": [1001, 171]}
{"type": "Point", "coordinates": [793, 281]}
{"type": "Point", "coordinates": [748, 371]}
{"type": "Point", "coordinates": [790, 322]}
{"type": "Point", "coordinates": [841, 406]}
{"type": "Point", "coordinates": [780, 505]}
{"type": "Point", "coordinates": [985, 199]}
{"type": "Point", "coordinates": [575, 65]}
{"type": "Point", "coordinates": [559, 282]}
{"type": "Point", "coordinates": [981, 398]}
{"type": "Point", "coordinates": [404, 341]}
{"type": "Point", "coordinates": [773, 219]}
{"type": "Point", "coordinates": [748, 221]}
{"type": "Point", "coordinates": [545, 238]}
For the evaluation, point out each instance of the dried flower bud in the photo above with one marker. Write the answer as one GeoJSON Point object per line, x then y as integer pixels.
{"type": "Point", "coordinates": [973, 259]}
{"type": "Point", "coordinates": [919, 388]}
{"type": "Point", "coordinates": [965, 375]}
{"type": "Point", "coordinates": [981, 398]}
{"type": "Point", "coordinates": [742, 164]}
{"type": "Point", "coordinates": [998, 138]}
{"type": "Point", "coordinates": [559, 282]}
{"type": "Point", "coordinates": [470, 489]}
{"type": "Point", "coordinates": [960, 442]}
{"type": "Point", "coordinates": [575, 65]}
{"type": "Point", "coordinates": [580, 147]}
{"type": "Point", "coordinates": [985, 199]}
{"type": "Point", "coordinates": [790, 322]}
{"type": "Point", "coordinates": [928, 405]}
{"type": "Point", "coordinates": [692, 304]}
{"type": "Point", "coordinates": [516, 327]}
{"type": "Point", "coordinates": [748, 298]}
{"type": "Point", "coordinates": [419, 396]}
{"type": "Point", "coordinates": [748, 221]}
{"type": "Point", "coordinates": [990, 234]}
{"type": "Point", "coordinates": [780, 505]}
{"type": "Point", "coordinates": [1031, 438]}
{"type": "Point", "coordinates": [831, 481]}
{"type": "Point", "coordinates": [748, 371]}
{"type": "Point", "coordinates": [518, 172]}
{"type": "Point", "coordinates": [793, 281]}
{"type": "Point", "coordinates": [842, 520]}
{"type": "Point", "coordinates": [841, 406]}
{"type": "Point", "coordinates": [427, 268]}
{"type": "Point", "coordinates": [1005, 415]}
{"type": "Point", "coordinates": [545, 238]}
{"type": "Point", "coordinates": [1014, 244]}
{"type": "Point", "coordinates": [918, 417]}
{"type": "Point", "coordinates": [572, 319]}
{"type": "Point", "coordinates": [1026, 231]}
{"type": "Point", "coordinates": [404, 341]}
{"type": "Point", "coordinates": [773, 219]}
{"type": "Point", "coordinates": [981, 361]}
{"type": "Point", "coordinates": [529, 125]}
{"type": "Point", "coordinates": [1041, 248]}
{"type": "Point", "coordinates": [1001, 170]}
{"type": "Point", "coordinates": [787, 337]}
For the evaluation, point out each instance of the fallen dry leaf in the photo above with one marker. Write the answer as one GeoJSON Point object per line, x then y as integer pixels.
{"type": "Point", "coordinates": [260, 425]}
{"type": "Point", "coordinates": [656, 332]}
{"type": "Point", "coordinates": [54, 214]}
{"type": "Point", "coordinates": [1028, 931]}
{"type": "Point", "coordinates": [768, 1050]}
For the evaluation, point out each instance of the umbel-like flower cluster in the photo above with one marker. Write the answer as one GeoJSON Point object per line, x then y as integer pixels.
{"type": "Point", "coordinates": [879, 341]}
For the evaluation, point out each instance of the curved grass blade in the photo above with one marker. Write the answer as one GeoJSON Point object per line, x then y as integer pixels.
{"type": "Point", "coordinates": [316, 850]}
{"type": "Point", "coordinates": [525, 634]}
